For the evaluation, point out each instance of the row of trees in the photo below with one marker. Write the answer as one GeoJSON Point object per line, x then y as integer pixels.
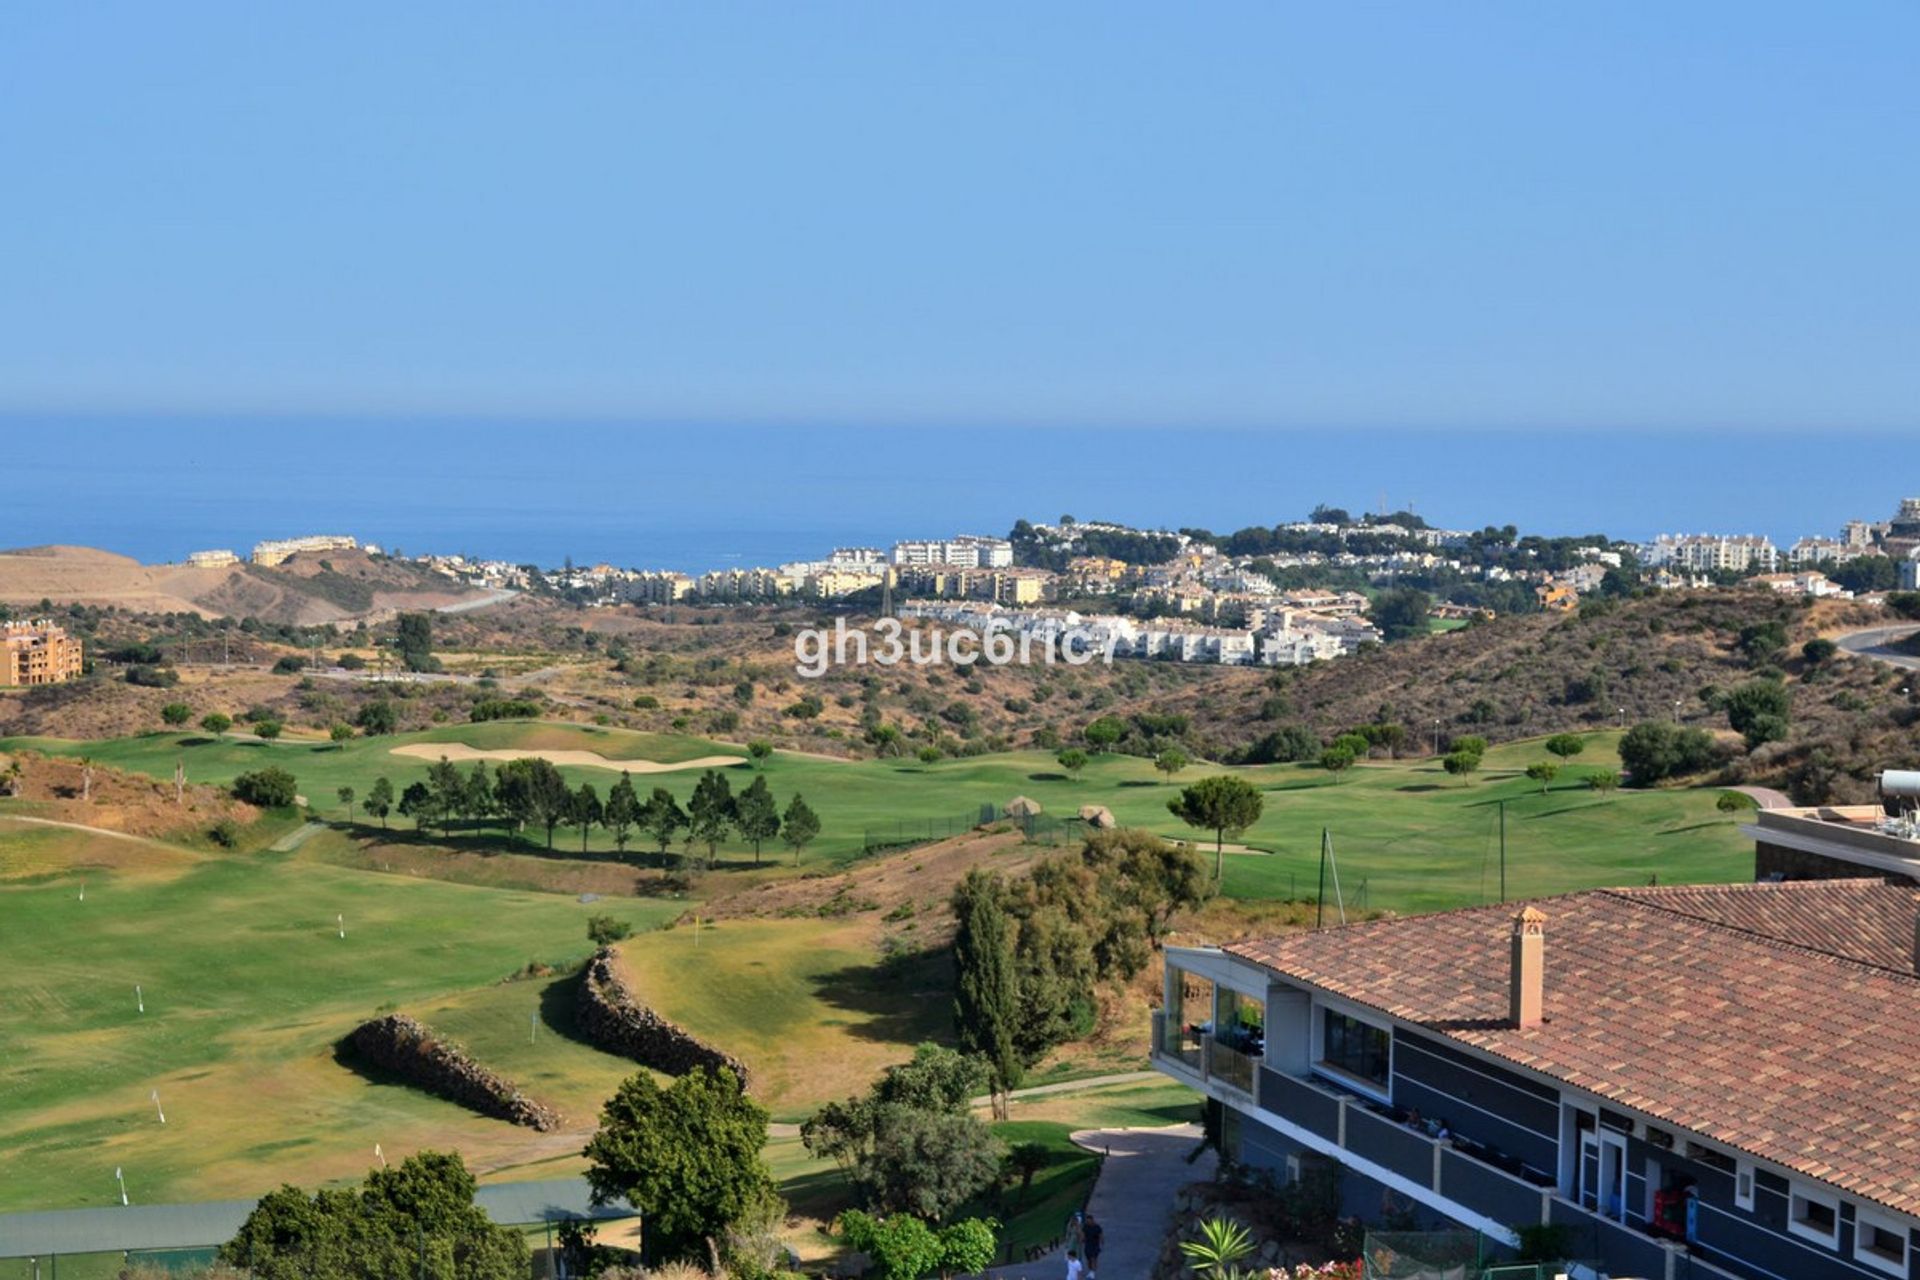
{"type": "Point", "coordinates": [532, 792]}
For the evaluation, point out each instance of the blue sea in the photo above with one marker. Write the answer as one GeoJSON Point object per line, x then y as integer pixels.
{"type": "Point", "coordinates": [703, 496]}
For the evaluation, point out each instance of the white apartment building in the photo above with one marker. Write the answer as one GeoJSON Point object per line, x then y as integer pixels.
{"type": "Point", "coordinates": [969, 550]}
{"type": "Point", "coordinates": [1812, 551]}
{"type": "Point", "coordinates": [1709, 553]}
{"type": "Point", "coordinates": [856, 558]}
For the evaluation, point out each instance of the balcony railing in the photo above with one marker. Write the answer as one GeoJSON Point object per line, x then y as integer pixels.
{"type": "Point", "coordinates": [1183, 1045]}
{"type": "Point", "coordinates": [1230, 1066]}
{"type": "Point", "coordinates": [1201, 1054]}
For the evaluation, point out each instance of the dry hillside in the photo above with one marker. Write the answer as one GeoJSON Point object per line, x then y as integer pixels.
{"type": "Point", "coordinates": [329, 587]}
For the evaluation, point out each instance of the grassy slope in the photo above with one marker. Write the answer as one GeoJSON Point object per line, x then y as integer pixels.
{"type": "Point", "coordinates": [247, 987]}
{"type": "Point", "coordinates": [1420, 839]}
{"type": "Point", "coordinates": [803, 1002]}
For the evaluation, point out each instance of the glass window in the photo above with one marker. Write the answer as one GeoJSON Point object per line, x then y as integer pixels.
{"type": "Point", "coordinates": [1354, 1047]}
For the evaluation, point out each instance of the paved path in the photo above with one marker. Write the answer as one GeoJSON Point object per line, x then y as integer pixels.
{"type": "Point", "coordinates": [1873, 642]}
{"type": "Point", "coordinates": [1766, 797]}
{"type": "Point", "coordinates": [213, 1222]}
{"type": "Point", "coordinates": [297, 837]}
{"type": "Point", "coordinates": [1132, 1199]}
{"type": "Point", "coordinates": [1037, 1091]}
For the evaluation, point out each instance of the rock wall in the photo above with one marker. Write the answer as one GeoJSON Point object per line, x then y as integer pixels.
{"type": "Point", "coordinates": [409, 1049]}
{"type": "Point", "coordinates": [613, 1019]}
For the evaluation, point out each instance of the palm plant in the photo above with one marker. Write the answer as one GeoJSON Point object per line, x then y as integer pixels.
{"type": "Point", "coordinates": [1222, 1245]}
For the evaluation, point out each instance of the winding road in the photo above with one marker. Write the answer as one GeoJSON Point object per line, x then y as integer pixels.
{"type": "Point", "coordinates": [1874, 641]}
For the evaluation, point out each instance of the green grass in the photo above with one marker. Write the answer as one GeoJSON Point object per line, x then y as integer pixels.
{"type": "Point", "coordinates": [1038, 1215]}
{"type": "Point", "coordinates": [805, 1003]}
{"type": "Point", "coordinates": [1417, 838]}
{"type": "Point", "coordinates": [815, 1188]}
{"type": "Point", "coordinates": [247, 986]}
{"type": "Point", "coordinates": [1148, 1105]}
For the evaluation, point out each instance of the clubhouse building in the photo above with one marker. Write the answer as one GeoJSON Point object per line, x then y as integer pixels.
{"type": "Point", "coordinates": [1712, 1081]}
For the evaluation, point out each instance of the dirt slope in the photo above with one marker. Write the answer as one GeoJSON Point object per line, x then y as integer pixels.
{"type": "Point", "coordinates": [329, 587]}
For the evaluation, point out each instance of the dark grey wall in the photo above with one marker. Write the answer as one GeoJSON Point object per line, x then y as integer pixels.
{"type": "Point", "coordinates": [1478, 1100]}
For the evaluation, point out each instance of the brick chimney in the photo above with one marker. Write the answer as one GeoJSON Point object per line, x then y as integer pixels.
{"type": "Point", "coordinates": [1528, 983]}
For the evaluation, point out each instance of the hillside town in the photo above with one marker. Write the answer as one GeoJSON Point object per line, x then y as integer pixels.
{"type": "Point", "coordinates": [1304, 592]}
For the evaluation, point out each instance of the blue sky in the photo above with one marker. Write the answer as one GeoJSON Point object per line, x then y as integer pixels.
{"type": "Point", "coordinates": [1514, 215]}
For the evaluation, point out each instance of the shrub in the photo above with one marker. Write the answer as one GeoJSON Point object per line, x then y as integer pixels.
{"type": "Point", "coordinates": [291, 665]}
{"type": "Point", "coordinates": [153, 677]}
{"type": "Point", "coordinates": [1819, 650]}
{"type": "Point", "coordinates": [270, 788]}
{"type": "Point", "coordinates": [1757, 710]}
{"type": "Point", "coordinates": [1284, 745]}
{"type": "Point", "coordinates": [503, 709]}
{"type": "Point", "coordinates": [1656, 750]}
{"type": "Point", "coordinates": [604, 931]}
{"type": "Point", "coordinates": [225, 833]}
{"type": "Point", "coordinates": [377, 718]}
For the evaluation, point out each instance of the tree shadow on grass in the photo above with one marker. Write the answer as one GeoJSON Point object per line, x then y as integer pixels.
{"type": "Point", "coordinates": [1694, 826]}
{"type": "Point", "coordinates": [903, 1000]}
{"type": "Point", "coordinates": [1046, 777]}
{"type": "Point", "coordinates": [1418, 787]}
{"type": "Point", "coordinates": [1140, 782]}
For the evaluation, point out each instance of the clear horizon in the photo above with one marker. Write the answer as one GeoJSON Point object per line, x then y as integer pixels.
{"type": "Point", "coordinates": [707, 498]}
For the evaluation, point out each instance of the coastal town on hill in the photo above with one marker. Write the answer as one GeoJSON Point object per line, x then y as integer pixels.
{"type": "Point", "coordinates": [1298, 592]}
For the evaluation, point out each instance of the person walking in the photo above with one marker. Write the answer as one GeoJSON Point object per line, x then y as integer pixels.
{"type": "Point", "coordinates": [1091, 1234]}
{"type": "Point", "coordinates": [1075, 1271]}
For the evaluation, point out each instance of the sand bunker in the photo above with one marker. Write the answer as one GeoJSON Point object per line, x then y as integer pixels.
{"type": "Point", "coordinates": [575, 759]}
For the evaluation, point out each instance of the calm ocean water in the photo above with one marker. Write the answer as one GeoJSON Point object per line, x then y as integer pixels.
{"type": "Point", "coordinates": [696, 498]}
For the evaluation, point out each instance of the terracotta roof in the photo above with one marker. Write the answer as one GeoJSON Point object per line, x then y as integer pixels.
{"type": "Point", "coordinates": [1782, 1020]}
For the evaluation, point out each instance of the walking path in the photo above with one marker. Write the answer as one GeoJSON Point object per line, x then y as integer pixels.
{"type": "Point", "coordinates": [1766, 797]}
{"type": "Point", "coordinates": [297, 837]}
{"type": "Point", "coordinates": [1143, 1170]}
{"type": "Point", "coordinates": [108, 832]}
{"type": "Point", "coordinates": [1036, 1091]}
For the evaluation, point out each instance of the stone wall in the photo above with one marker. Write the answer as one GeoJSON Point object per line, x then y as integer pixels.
{"type": "Point", "coordinates": [613, 1019]}
{"type": "Point", "coordinates": [409, 1049]}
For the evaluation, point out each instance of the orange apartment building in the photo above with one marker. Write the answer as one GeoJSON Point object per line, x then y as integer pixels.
{"type": "Point", "coordinates": [37, 652]}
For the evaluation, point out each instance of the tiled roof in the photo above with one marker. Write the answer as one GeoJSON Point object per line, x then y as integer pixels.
{"type": "Point", "coordinates": [1782, 1020]}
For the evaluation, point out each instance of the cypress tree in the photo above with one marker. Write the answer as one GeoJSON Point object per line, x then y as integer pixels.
{"type": "Point", "coordinates": [985, 998]}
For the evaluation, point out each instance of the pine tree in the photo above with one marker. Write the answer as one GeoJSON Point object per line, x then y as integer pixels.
{"type": "Point", "coordinates": [755, 815]}
{"type": "Point", "coordinates": [623, 811]}
{"type": "Point", "coordinates": [799, 826]}
{"type": "Point", "coordinates": [710, 812]}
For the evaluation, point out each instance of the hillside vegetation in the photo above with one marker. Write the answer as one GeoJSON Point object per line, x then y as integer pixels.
{"type": "Point", "coordinates": [1663, 657]}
